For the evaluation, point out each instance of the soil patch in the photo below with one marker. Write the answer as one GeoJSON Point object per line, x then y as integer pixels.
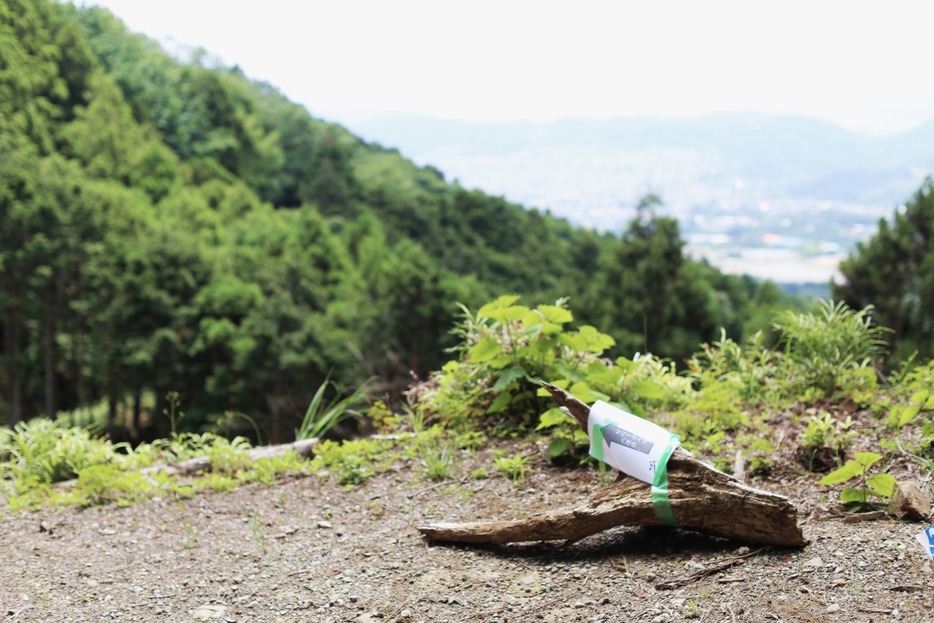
{"type": "Point", "coordinates": [309, 550]}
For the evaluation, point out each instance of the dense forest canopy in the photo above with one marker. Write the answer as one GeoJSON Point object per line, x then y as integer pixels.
{"type": "Point", "coordinates": [176, 229]}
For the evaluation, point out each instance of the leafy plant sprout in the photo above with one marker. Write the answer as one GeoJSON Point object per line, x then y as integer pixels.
{"type": "Point", "coordinates": [321, 416]}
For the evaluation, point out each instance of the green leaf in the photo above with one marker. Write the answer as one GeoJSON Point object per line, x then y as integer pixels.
{"type": "Point", "coordinates": [559, 447]}
{"type": "Point", "coordinates": [867, 459]}
{"type": "Point", "coordinates": [509, 314]}
{"type": "Point", "coordinates": [601, 374]}
{"type": "Point", "coordinates": [485, 350]}
{"type": "Point", "coordinates": [881, 485]}
{"type": "Point", "coordinates": [553, 313]}
{"type": "Point", "coordinates": [581, 391]}
{"type": "Point", "coordinates": [649, 389]}
{"type": "Point", "coordinates": [500, 361]}
{"type": "Point", "coordinates": [551, 418]}
{"type": "Point", "coordinates": [851, 495]}
{"type": "Point", "coordinates": [905, 413]}
{"type": "Point", "coordinates": [597, 342]}
{"type": "Point", "coordinates": [504, 301]}
{"type": "Point", "coordinates": [500, 403]}
{"type": "Point", "coordinates": [550, 328]}
{"type": "Point", "coordinates": [851, 469]}
{"type": "Point", "coordinates": [507, 377]}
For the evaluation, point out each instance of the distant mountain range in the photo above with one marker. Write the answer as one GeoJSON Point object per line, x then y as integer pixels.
{"type": "Point", "coordinates": [797, 188]}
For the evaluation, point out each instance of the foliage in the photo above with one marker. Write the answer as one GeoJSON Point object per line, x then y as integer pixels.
{"type": "Point", "coordinates": [820, 348]}
{"type": "Point", "coordinates": [752, 369]}
{"type": "Point", "coordinates": [352, 462]}
{"type": "Point", "coordinates": [505, 350]}
{"type": "Point", "coordinates": [825, 440]}
{"type": "Point", "coordinates": [36, 455]}
{"type": "Point", "coordinates": [876, 486]}
{"type": "Point", "coordinates": [321, 417]}
{"type": "Point", "coordinates": [42, 450]}
{"type": "Point", "coordinates": [892, 271]}
{"type": "Point", "coordinates": [170, 225]}
{"type": "Point", "coordinates": [647, 294]}
{"type": "Point", "coordinates": [514, 468]}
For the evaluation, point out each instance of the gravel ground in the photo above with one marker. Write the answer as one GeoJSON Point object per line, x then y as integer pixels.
{"type": "Point", "coordinates": [309, 550]}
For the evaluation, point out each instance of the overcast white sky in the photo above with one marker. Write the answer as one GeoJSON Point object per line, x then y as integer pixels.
{"type": "Point", "coordinates": [864, 65]}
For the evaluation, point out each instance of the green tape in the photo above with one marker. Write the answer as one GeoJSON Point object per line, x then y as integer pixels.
{"type": "Point", "coordinates": [596, 443]}
{"type": "Point", "coordinates": [660, 499]}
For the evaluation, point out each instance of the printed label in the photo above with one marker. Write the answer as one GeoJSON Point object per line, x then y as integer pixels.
{"type": "Point", "coordinates": [627, 442]}
{"type": "Point", "coordinates": [926, 539]}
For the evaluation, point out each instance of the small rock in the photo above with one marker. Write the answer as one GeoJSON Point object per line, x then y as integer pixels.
{"type": "Point", "coordinates": [324, 524]}
{"type": "Point", "coordinates": [833, 607]}
{"type": "Point", "coordinates": [910, 500]}
{"type": "Point", "coordinates": [208, 612]}
{"type": "Point", "coordinates": [367, 617]}
{"type": "Point", "coordinates": [814, 563]}
{"type": "Point", "coordinates": [405, 614]}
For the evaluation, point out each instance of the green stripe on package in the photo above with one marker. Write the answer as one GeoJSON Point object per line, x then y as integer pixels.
{"type": "Point", "coordinates": [636, 447]}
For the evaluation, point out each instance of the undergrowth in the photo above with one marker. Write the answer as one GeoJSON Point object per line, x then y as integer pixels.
{"type": "Point", "coordinates": [818, 373]}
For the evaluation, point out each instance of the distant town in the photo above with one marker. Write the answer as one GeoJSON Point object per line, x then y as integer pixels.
{"type": "Point", "coordinates": [778, 198]}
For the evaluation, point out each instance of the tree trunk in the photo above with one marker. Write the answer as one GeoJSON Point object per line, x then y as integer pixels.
{"type": "Point", "coordinates": [12, 334]}
{"type": "Point", "coordinates": [274, 401]}
{"type": "Point", "coordinates": [702, 499]}
{"type": "Point", "coordinates": [137, 410]}
{"type": "Point", "coordinates": [48, 359]}
{"type": "Point", "coordinates": [111, 393]}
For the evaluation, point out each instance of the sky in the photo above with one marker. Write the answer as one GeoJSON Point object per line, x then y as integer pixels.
{"type": "Point", "coordinates": [862, 65]}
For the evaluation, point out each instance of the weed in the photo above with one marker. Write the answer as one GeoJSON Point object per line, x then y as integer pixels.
{"type": "Point", "coordinates": [480, 473]}
{"type": "Point", "coordinates": [825, 440]}
{"type": "Point", "coordinates": [821, 347]}
{"type": "Point", "coordinates": [321, 417]}
{"type": "Point", "coordinates": [259, 539]}
{"type": "Point", "coordinates": [514, 468]}
{"type": "Point", "coordinates": [352, 462]}
{"type": "Point", "coordinates": [877, 486]}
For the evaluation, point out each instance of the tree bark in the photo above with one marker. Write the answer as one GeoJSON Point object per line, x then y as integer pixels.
{"type": "Point", "coordinates": [702, 499]}
{"type": "Point", "coordinates": [48, 359]}
{"type": "Point", "coordinates": [12, 330]}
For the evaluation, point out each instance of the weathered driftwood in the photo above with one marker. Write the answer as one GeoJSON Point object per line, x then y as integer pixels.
{"type": "Point", "coordinates": [702, 499]}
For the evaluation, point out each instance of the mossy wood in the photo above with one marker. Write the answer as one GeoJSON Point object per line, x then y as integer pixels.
{"type": "Point", "coordinates": [703, 499]}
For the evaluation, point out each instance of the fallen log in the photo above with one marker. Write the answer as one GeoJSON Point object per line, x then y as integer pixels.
{"type": "Point", "coordinates": [702, 499]}
{"type": "Point", "coordinates": [303, 448]}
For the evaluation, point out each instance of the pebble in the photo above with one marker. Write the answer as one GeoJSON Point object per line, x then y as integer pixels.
{"type": "Point", "coordinates": [208, 612]}
{"type": "Point", "coordinates": [814, 563]}
{"type": "Point", "coordinates": [833, 607]}
{"type": "Point", "coordinates": [324, 524]}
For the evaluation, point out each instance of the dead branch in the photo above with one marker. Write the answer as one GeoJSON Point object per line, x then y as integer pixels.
{"type": "Point", "coordinates": [302, 447]}
{"type": "Point", "coordinates": [709, 570]}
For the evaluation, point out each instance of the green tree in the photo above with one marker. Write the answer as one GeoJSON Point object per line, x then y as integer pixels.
{"type": "Point", "coordinates": [647, 295]}
{"type": "Point", "coordinates": [894, 272]}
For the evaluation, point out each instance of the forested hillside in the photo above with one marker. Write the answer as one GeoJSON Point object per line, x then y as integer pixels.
{"type": "Point", "coordinates": [176, 229]}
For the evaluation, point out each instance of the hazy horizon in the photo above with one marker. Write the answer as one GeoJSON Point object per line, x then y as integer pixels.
{"type": "Point", "coordinates": [850, 63]}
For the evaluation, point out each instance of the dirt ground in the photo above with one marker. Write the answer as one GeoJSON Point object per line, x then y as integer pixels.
{"type": "Point", "coordinates": [308, 550]}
